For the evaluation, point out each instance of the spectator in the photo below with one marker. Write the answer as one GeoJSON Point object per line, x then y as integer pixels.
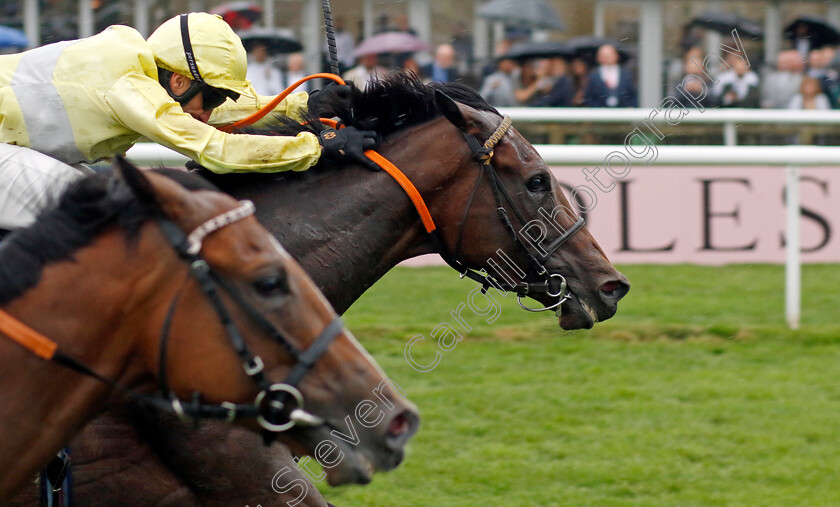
{"type": "Point", "coordinates": [294, 72]}
{"type": "Point", "coordinates": [692, 65]}
{"type": "Point", "coordinates": [831, 85]}
{"type": "Point", "coordinates": [539, 86]}
{"type": "Point", "coordinates": [562, 92]}
{"type": "Point", "coordinates": [580, 78]}
{"type": "Point", "coordinates": [692, 37]}
{"type": "Point", "coordinates": [264, 76]}
{"type": "Point", "coordinates": [402, 25]}
{"type": "Point", "coordinates": [818, 63]}
{"type": "Point", "coordinates": [810, 96]}
{"type": "Point", "coordinates": [366, 71]}
{"type": "Point", "coordinates": [527, 75]}
{"type": "Point", "coordinates": [411, 65]}
{"type": "Point", "coordinates": [780, 86]}
{"type": "Point", "coordinates": [801, 40]}
{"type": "Point", "coordinates": [498, 87]}
{"type": "Point", "coordinates": [609, 85]}
{"type": "Point", "coordinates": [501, 49]}
{"type": "Point", "coordinates": [442, 69]}
{"type": "Point", "coordinates": [739, 86]}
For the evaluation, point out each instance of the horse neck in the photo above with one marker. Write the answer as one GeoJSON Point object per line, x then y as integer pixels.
{"type": "Point", "coordinates": [45, 404]}
{"type": "Point", "coordinates": [349, 227]}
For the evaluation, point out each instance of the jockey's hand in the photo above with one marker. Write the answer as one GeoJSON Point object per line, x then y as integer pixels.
{"type": "Point", "coordinates": [349, 144]}
{"type": "Point", "coordinates": [319, 100]}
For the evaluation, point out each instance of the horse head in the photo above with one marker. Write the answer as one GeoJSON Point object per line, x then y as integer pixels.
{"type": "Point", "coordinates": [267, 334]}
{"type": "Point", "coordinates": [496, 205]}
{"type": "Point", "coordinates": [541, 218]}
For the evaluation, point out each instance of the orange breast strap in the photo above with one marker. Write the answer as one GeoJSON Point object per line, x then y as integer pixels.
{"type": "Point", "coordinates": [27, 337]}
{"type": "Point", "coordinates": [407, 185]}
{"type": "Point", "coordinates": [400, 178]}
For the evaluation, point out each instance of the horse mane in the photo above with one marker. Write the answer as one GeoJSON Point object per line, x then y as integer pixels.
{"type": "Point", "coordinates": [81, 213]}
{"type": "Point", "coordinates": [396, 102]}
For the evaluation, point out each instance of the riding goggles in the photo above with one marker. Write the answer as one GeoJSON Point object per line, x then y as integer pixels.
{"type": "Point", "coordinates": [211, 97]}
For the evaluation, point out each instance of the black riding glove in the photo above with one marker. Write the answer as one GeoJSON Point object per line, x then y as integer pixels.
{"type": "Point", "coordinates": [349, 144]}
{"type": "Point", "coordinates": [320, 100]}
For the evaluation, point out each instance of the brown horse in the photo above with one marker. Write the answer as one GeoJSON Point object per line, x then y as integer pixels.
{"type": "Point", "coordinates": [103, 276]}
{"type": "Point", "coordinates": [347, 227]}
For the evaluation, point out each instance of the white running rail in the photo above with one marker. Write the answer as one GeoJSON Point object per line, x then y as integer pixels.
{"type": "Point", "coordinates": [791, 157]}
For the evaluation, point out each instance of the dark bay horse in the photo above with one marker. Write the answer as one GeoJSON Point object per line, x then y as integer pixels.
{"type": "Point", "coordinates": [348, 226]}
{"type": "Point", "coordinates": [145, 282]}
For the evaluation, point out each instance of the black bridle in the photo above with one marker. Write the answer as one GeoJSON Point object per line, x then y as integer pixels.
{"type": "Point", "coordinates": [278, 406]}
{"type": "Point", "coordinates": [553, 284]}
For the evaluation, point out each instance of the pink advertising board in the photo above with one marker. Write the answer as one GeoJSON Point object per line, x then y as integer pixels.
{"type": "Point", "coordinates": [707, 215]}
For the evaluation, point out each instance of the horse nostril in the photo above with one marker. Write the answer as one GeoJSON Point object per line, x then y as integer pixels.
{"type": "Point", "coordinates": [399, 425]}
{"type": "Point", "coordinates": [614, 290]}
{"type": "Point", "coordinates": [402, 427]}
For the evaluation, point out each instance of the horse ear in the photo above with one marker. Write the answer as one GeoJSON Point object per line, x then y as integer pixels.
{"type": "Point", "coordinates": [137, 181]}
{"type": "Point", "coordinates": [450, 110]}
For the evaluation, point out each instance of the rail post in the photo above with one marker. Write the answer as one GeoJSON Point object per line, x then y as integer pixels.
{"type": "Point", "coordinates": [793, 269]}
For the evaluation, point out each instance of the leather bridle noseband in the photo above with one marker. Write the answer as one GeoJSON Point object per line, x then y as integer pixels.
{"type": "Point", "coordinates": [554, 284]}
{"type": "Point", "coordinates": [278, 406]}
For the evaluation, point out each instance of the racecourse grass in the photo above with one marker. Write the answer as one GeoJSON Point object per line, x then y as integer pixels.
{"type": "Point", "coordinates": [696, 393]}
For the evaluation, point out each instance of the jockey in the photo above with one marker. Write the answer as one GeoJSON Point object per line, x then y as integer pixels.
{"type": "Point", "coordinates": [81, 101]}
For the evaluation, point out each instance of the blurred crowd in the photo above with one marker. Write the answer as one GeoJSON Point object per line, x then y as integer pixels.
{"type": "Point", "coordinates": [794, 82]}
{"type": "Point", "coordinates": [803, 77]}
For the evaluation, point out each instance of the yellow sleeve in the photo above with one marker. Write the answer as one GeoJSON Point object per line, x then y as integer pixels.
{"type": "Point", "coordinates": [142, 105]}
{"type": "Point", "coordinates": [294, 106]}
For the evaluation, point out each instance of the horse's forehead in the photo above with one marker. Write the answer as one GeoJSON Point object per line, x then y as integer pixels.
{"type": "Point", "coordinates": [523, 150]}
{"type": "Point", "coordinates": [209, 203]}
{"type": "Point", "coordinates": [487, 119]}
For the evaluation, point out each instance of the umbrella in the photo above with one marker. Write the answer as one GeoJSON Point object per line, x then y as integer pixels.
{"type": "Point", "coordinates": [390, 42]}
{"type": "Point", "coordinates": [275, 40]}
{"type": "Point", "coordinates": [239, 15]}
{"type": "Point", "coordinates": [11, 38]}
{"type": "Point", "coordinates": [725, 22]}
{"type": "Point", "coordinates": [526, 50]}
{"type": "Point", "coordinates": [586, 47]}
{"type": "Point", "coordinates": [819, 31]}
{"type": "Point", "coordinates": [522, 13]}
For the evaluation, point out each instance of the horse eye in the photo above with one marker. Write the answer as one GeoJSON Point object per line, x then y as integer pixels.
{"type": "Point", "coordinates": [271, 286]}
{"type": "Point", "coordinates": [538, 184]}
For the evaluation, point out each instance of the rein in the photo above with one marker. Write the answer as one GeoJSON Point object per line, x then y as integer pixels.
{"type": "Point", "coordinates": [271, 408]}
